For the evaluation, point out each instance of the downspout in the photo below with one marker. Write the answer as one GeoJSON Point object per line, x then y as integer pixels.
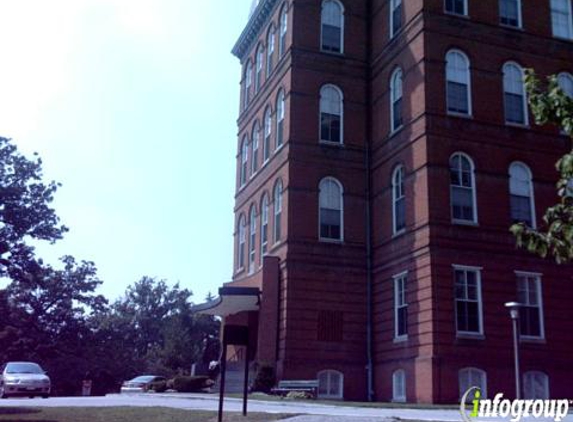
{"type": "Point", "coordinates": [367, 159]}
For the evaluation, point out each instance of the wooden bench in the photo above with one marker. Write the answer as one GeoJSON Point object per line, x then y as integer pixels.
{"type": "Point", "coordinates": [286, 386]}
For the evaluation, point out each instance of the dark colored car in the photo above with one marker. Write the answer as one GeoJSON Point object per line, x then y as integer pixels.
{"type": "Point", "coordinates": [140, 384]}
{"type": "Point", "coordinates": [23, 379]}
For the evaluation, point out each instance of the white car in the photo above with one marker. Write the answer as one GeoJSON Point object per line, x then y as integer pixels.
{"type": "Point", "coordinates": [24, 379]}
{"type": "Point", "coordinates": [140, 384]}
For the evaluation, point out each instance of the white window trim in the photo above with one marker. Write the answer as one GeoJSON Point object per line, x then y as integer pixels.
{"type": "Point", "coordinates": [393, 129]}
{"type": "Point", "coordinates": [539, 286]}
{"type": "Point", "coordinates": [252, 242]}
{"type": "Point", "coordinates": [519, 17]}
{"type": "Point", "coordinates": [280, 94]}
{"type": "Point", "coordinates": [475, 220]}
{"type": "Point", "coordinates": [341, 28]}
{"type": "Point", "coordinates": [264, 204]}
{"type": "Point", "coordinates": [326, 142]}
{"type": "Point", "coordinates": [283, 34]}
{"type": "Point", "coordinates": [466, 11]}
{"type": "Point", "coordinates": [341, 384]}
{"type": "Point", "coordinates": [270, 150]}
{"type": "Point", "coordinates": [478, 271]}
{"type": "Point", "coordinates": [277, 183]}
{"type": "Point", "coordinates": [523, 96]}
{"type": "Point", "coordinates": [396, 232]}
{"type": "Point", "coordinates": [241, 251]}
{"type": "Point", "coordinates": [531, 192]}
{"type": "Point", "coordinates": [534, 373]}
{"type": "Point", "coordinates": [395, 279]}
{"type": "Point", "coordinates": [270, 50]}
{"type": "Point", "coordinates": [570, 22]}
{"type": "Point", "coordinates": [482, 387]}
{"type": "Point", "coordinates": [391, 29]}
{"type": "Point", "coordinates": [401, 396]}
{"type": "Point", "coordinates": [341, 187]}
{"type": "Point", "coordinates": [469, 86]}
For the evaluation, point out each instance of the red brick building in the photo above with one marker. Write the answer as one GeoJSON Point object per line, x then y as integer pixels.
{"type": "Point", "coordinates": [384, 149]}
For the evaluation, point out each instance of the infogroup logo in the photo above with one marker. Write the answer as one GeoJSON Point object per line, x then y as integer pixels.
{"type": "Point", "coordinates": [516, 409]}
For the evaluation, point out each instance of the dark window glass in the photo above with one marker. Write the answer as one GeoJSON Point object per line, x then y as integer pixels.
{"type": "Point", "coordinates": [331, 38]}
{"type": "Point", "coordinates": [458, 98]}
{"type": "Point", "coordinates": [330, 127]}
{"type": "Point", "coordinates": [397, 114]}
{"type": "Point", "coordinates": [514, 112]}
{"type": "Point", "coordinates": [397, 19]}
{"type": "Point", "coordinates": [455, 6]}
{"type": "Point", "coordinates": [330, 224]}
{"type": "Point", "coordinates": [521, 209]}
{"type": "Point", "coordinates": [509, 12]}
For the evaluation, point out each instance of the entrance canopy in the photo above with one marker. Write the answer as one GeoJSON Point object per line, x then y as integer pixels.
{"type": "Point", "coordinates": [231, 300]}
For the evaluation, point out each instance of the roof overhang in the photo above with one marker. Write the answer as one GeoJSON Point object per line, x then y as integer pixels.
{"type": "Point", "coordinates": [231, 300]}
{"type": "Point", "coordinates": [254, 27]}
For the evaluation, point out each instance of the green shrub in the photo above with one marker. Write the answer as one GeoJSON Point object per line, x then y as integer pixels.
{"type": "Point", "coordinates": [158, 386]}
{"type": "Point", "coordinates": [265, 379]}
{"type": "Point", "coordinates": [300, 395]}
{"type": "Point", "coordinates": [187, 384]}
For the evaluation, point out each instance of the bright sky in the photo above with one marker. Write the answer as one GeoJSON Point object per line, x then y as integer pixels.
{"type": "Point", "coordinates": [132, 105]}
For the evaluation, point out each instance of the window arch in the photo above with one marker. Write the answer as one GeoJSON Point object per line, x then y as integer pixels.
{"type": "Point", "coordinates": [565, 81]}
{"type": "Point", "coordinates": [472, 377]}
{"type": "Point", "coordinates": [332, 26]}
{"type": "Point", "coordinates": [267, 133]}
{"type": "Point", "coordinates": [395, 17]}
{"type": "Point", "coordinates": [561, 18]}
{"type": "Point", "coordinates": [536, 385]}
{"type": "Point", "coordinates": [283, 29]}
{"type": "Point", "coordinates": [522, 204]}
{"type": "Point", "coordinates": [462, 189]}
{"type": "Point", "coordinates": [399, 386]}
{"type": "Point", "coordinates": [278, 207]}
{"type": "Point", "coordinates": [255, 148]}
{"type": "Point", "coordinates": [515, 101]}
{"type": "Point", "coordinates": [264, 225]}
{"type": "Point", "coordinates": [259, 67]}
{"type": "Point", "coordinates": [244, 158]}
{"type": "Point", "coordinates": [398, 201]}
{"type": "Point", "coordinates": [270, 49]}
{"type": "Point", "coordinates": [331, 111]}
{"type": "Point", "coordinates": [396, 99]}
{"type": "Point", "coordinates": [331, 208]}
{"type": "Point", "coordinates": [280, 118]}
{"type": "Point", "coordinates": [330, 384]}
{"type": "Point", "coordinates": [458, 85]}
{"type": "Point", "coordinates": [252, 237]}
{"type": "Point", "coordinates": [241, 242]}
{"type": "Point", "coordinates": [248, 83]}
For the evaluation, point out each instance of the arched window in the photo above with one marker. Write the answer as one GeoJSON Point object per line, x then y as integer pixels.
{"type": "Point", "coordinates": [259, 67]}
{"type": "Point", "coordinates": [330, 384]}
{"type": "Point", "coordinates": [462, 189]}
{"type": "Point", "coordinates": [278, 203]}
{"type": "Point", "coordinates": [248, 83]}
{"type": "Point", "coordinates": [399, 386]}
{"type": "Point", "coordinates": [255, 147]}
{"type": "Point", "coordinates": [283, 28]}
{"type": "Point", "coordinates": [331, 114]}
{"type": "Point", "coordinates": [252, 237]}
{"type": "Point", "coordinates": [267, 142]}
{"type": "Point", "coordinates": [264, 225]}
{"type": "Point", "coordinates": [510, 13]}
{"type": "Point", "coordinates": [458, 83]}
{"type": "Point", "coordinates": [561, 18]}
{"type": "Point", "coordinates": [331, 209]}
{"type": "Point", "coordinates": [270, 49]}
{"type": "Point", "coordinates": [332, 32]}
{"type": "Point", "coordinates": [522, 204]}
{"type": "Point", "coordinates": [396, 99]}
{"type": "Point", "coordinates": [280, 118]}
{"type": "Point", "coordinates": [241, 239]}
{"type": "Point", "coordinates": [395, 17]}
{"type": "Point", "coordinates": [535, 386]}
{"type": "Point", "coordinates": [565, 81]}
{"type": "Point", "coordinates": [244, 160]}
{"type": "Point", "coordinates": [398, 201]}
{"type": "Point", "coordinates": [472, 377]}
{"type": "Point", "coordinates": [514, 94]}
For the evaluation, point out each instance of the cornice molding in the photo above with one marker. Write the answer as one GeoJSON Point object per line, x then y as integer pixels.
{"type": "Point", "coordinates": [251, 32]}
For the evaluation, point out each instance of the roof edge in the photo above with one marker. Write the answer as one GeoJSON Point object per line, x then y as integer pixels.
{"type": "Point", "coordinates": [253, 28]}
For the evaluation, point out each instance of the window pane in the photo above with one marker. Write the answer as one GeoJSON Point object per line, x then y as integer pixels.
{"type": "Point", "coordinates": [397, 18]}
{"type": "Point", "coordinates": [462, 204]}
{"type": "Point", "coordinates": [397, 114]}
{"type": "Point", "coordinates": [330, 223]}
{"type": "Point", "coordinates": [400, 214]}
{"type": "Point", "coordinates": [331, 38]}
{"type": "Point", "coordinates": [455, 6]}
{"type": "Point", "coordinates": [509, 12]}
{"type": "Point", "coordinates": [330, 127]}
{"type": "Point", "coordinates": [514, 112]}
{"type": "Point", "coordinates": [458, 98]}
{"type": "Point", "coordinates": [521, 209]}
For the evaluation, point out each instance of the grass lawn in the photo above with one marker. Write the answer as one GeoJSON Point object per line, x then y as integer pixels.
{"type": "Point", "coordinates": [123, 414]}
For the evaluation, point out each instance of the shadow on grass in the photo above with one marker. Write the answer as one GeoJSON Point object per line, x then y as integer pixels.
{"type": "Point", "coordinates": [18, 410]}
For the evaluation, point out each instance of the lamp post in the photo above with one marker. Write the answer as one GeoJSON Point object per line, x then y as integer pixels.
{"type": "Point", "coordinates": [514, 313]}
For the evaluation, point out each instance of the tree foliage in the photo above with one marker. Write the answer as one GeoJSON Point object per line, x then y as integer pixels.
{"type": "Point", "coordinates": [550, 105]}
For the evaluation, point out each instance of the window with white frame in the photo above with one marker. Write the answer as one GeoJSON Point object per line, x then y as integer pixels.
{"type": "Point", "coordinates": [242, 238]}
{"type": "Point", "coordinates": [248, 83]}
{"type": "Point", "coordinates": [467, 286]}
{"type": "Point", "coordinates": [330, 200]}
{"type": "Point", "coordinates": [458, 96]}
{"type": "Point", "coordinates": [264, 226]}
{"type": "Point", "coordinates": [515, 102]}
{"type": "Point", "coordinates": [331, 114]}
{"type": "Point", "coordinates": [283, 28]}
{"type": "Point", "coordinates": [561, 18]}
{"type": "Point", "coordinates": [332, 27]}
{"type": "Point", "coordinates": [510, 13]}
{"type": "Point", "coordinates": [400, 307]}
{"type": "Point", "coordinates": [565, 81]}
{"type": "Point", "coordinates": [255, 147]}
{"type": "Point", "coordinates": [244, 160]}
{"type": "Point", "coordinates": [398, 201]}
{"type": "Point", "coordinates": [267, 133]}
{"type": "Point", "coordinates": [457, 7]}
{"type": "Point", "coordinates": [535, 386]}
{"type": "Point", "coordinates": [259, 68]}
{"type": "Point", "coordinates": [470, 378]}
{"type": "Point", "coordinates": [280, 118]}
{"type": "Point", "coordinates": [462, 189]}
{"type": "Point", "coordinates": [399, 386]}
{"type": "Point", "coordinates": [330, 384]}
{"type": "Point", "coordinates": [522, 204]}
{"type": "Point", "coordinates": [252, 238]}
{"type": "Point", "coordinates": [395, 17]}
{"type": "Point", "coordinates": [278, 207]}
{"type": "Point", "coordinates": [270, 49]}
{"type": "Point", "coordinates": [531, 310]}
{"type": "Point", "coordinates": [396, 99]}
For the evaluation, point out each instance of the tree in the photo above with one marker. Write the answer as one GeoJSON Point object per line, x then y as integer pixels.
{"type": "Point", "coordinates": [550, 105]}
{"type": "Point", "coordinates": [25, 210]}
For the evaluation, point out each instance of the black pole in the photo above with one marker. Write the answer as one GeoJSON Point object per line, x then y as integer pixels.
{"type": "Point", "coordinates": [246, 381]}
{"type": "Point", "coordinates": [222, 381]}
